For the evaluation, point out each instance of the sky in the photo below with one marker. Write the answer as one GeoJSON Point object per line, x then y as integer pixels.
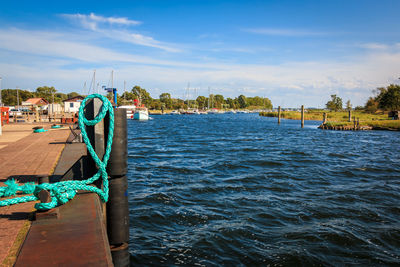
{"type": "Point", "coordinates": [293, 52]}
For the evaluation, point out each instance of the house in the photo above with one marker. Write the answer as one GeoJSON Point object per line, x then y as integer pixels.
{"type": "Point", "coordinates": [72, 104]}
{"type": "Point", "coordinates": [33, 103]}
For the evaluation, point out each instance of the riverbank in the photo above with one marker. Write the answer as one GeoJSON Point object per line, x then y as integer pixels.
{"type": "Point", "coordinates": [340, 120]}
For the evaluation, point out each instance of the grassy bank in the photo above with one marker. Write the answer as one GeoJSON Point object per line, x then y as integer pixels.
{"type": "Point", "coordinates": [340, 119]}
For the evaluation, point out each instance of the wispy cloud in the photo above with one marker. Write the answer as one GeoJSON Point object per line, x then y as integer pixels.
{"type": "Point", "coordinates": [305, 82]}
{"type": "Point", "coordinates": [375, 46]}
{"type": "Point", "coordinates": [92, 20]}
{"type": "Point", "coordinates": [59, 45]}
{"type": "Point", "coordinates": [284, 32]}
{"type": "Point", "coordinates": [138, 39]}
{"type": "Point", "coordinates": [97, 23]}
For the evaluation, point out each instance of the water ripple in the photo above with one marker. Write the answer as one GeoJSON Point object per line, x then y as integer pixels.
{"type": "Point", "coordinates": [240, 190]}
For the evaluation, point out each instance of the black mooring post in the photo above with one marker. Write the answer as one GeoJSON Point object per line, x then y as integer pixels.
{"type": "Point", "coordinates": [117, 205]}
{"type": "Point", "coordinates": [96, 136]}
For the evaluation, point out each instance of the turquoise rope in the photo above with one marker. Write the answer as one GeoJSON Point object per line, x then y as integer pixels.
{"type": "Point", "coordinates": [41, 130]}
{"type": "Point", "coordinates": [62, 192]}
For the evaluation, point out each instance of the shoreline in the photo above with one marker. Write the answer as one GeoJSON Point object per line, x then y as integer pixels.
{"type": "Point", "coordinates": [368, 122]}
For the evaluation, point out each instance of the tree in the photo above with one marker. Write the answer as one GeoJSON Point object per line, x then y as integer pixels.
{"type": "Point", "coordinates": [45, 92]}
{"type": "Point", "coordinates": [166, 99]}
{"type": "Point", "coordinates": [389, 98]}
{"type": "Point", "coordinates": [371, 105]}
{"type": "Point", "coordinates": [201, 101]}
{"type": "Point", "coordinates": [335, 103]}
{"type": "Point", "coordinates": [242, 101]}
{"type": "Point", "coordinates": [267, 103]}
{"type": "Point", "coordinates": [348, 105]}
{"type": "Point", "coordinates": [9, 96]}
{"type": "Point", "coordinates": [72, 94]}
{"type": "Point", "coordinates": [219, 101]}
{"type": "Point", "coordinates": [142, 95]}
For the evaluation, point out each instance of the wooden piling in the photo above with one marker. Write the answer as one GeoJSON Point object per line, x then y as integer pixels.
{"type": "Point", "coordinates": [279, 114]}
{"type": "Point", "coordinates": [324, 118]}
{"type": "Point", "coordinates": [302, 116]}
{"type": "Point", "coordinates": [354, 123]}
{"type": "Point", "coordinates": [349, 115]}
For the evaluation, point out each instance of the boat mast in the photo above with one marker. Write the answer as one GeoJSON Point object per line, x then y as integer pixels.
{"type": "Point", "coordinates": [187, 95]}
{"type": "Point", "coordinates": [17, 98]}
{"type": "Point", "coordinates": [112, 79]}
{"type": "Point", "coordinates": [125, 90]}
{"type": "Point", "coordinates": [208, 106]}
{"type": "Point", "coordinates": [94, 81]}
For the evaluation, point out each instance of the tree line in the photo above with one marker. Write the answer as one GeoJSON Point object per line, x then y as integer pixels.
{"type": "Point", "coordinates": [9, 96]}
{"type": "Point", "coordinates": [166, 101]}
{"type": "Point", "coordinates": [384, 99]}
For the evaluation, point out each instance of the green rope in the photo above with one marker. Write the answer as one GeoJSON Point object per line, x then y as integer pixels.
{"type": "Point", "coordinates": [62, 192]}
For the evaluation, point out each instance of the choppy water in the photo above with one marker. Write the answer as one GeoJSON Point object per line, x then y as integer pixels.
{"type": "Point", "coordinates": [239, 190]}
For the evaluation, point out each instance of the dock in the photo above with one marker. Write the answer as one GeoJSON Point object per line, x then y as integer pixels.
{"type": "Point", "coordinates": [73, 233]}
{"type": "Point", "coordinates": [24, 156]}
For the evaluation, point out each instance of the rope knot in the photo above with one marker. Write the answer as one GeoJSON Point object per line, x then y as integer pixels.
{"type": "Point", "coordinates": [11, 189]}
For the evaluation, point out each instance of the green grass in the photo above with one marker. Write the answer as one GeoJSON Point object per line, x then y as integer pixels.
{"type": "Point", "coordinates": [338, 119]}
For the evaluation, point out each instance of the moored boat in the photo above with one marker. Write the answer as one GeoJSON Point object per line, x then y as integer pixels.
{"type": "Point", "coordinates": [141, 113]}
{"type": "Point", "coordinates": [130, 110]}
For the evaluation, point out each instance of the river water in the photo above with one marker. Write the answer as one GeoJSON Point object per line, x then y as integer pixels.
{"type": "Point", "coordinates": [240, 190]}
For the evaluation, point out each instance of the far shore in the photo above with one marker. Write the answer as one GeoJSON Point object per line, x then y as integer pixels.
{"type": "Point", "coordinates": [340, 120]}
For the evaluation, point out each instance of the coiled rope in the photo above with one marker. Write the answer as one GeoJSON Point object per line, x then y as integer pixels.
{"type": "Point", "coordinates": [62, 192]}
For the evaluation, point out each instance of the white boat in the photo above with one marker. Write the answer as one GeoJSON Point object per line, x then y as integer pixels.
{"type": "Point", "coordinates": [130, 110]}
{"type": "Point", "coordinates": [141, 113]}
{"type": "Point", "coordinates": [174, 112]}
{"type": "Point", "coordinates": [213, 111]}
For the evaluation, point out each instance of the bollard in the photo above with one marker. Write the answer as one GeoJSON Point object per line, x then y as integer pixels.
{"type": "Point", "coordinates": [324, 118]}
{"type": "Point", "coordinates": [117, 205]}
{"type": "Point", "coordinates": [279, 114]}
{"type": "Point", "coordinates": [117, 165]}
{"type": "Point", "coordinates": [302, 116]}
{"type": "Point", "coordinates": [349, 115]}
{"type": "Point", "coordinates": [118, 211]}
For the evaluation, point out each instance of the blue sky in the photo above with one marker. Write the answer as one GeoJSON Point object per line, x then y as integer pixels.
{"type": "Point", "coordinates": [294, 52]}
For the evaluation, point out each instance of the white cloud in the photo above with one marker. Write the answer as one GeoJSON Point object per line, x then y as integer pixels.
{"type": "Point", "coordinates": [139, 39]}
{"type": "Point", "coordinates": [375, 46]}
{"type": "Point", "coordinates": [91, 21]}
{"type": "Point", "coordinates": [55, 57]}
{"type": "Point", "coordinates": [95, 23]}
{"type": "Point", "coordinates": [58, 45]}
{"type": "Point", "coordinates": [284, 32]}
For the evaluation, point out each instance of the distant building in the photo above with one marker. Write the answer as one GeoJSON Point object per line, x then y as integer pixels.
{"type": "Point", "coordinates": [34, 103]}
{"type": "Point", "coordinates": [54, 108]}
{"type": "Point", "coordinates": [72, 104]}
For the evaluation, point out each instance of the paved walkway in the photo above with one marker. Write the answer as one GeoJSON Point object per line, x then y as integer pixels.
{"type": "Point", "coordinates": [24, 155]}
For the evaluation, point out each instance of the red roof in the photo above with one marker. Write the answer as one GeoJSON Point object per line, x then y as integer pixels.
{"type": "Point", "coordinates": [37, 101]}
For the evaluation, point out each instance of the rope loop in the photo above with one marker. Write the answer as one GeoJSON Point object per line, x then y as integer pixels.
{"type": "Point", "coordinates": [62, 192]}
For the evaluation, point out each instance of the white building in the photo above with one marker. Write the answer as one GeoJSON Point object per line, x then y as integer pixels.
{"type": "Point", "coordinates": [72, 104]}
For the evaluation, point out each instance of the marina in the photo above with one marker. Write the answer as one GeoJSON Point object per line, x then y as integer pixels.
{"type": "Point", "coordinates": [199, 133]}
